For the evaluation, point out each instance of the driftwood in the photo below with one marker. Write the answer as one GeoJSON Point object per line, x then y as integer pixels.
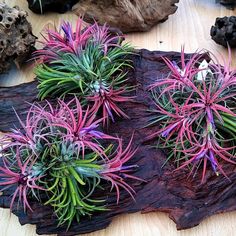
{"type": "Point", "coordinates": [185, 200]}
{"type": "Point", "coordinates": [127, 15]}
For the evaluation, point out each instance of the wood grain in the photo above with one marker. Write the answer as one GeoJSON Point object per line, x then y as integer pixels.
{"type": "Point", "coordinates": [189, 26]}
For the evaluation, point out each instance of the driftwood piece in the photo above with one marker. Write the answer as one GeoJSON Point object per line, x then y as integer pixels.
{"type": "Point", "coordinates": [186, 200]}
{"type": "Point", "coordinates": [127, 15]}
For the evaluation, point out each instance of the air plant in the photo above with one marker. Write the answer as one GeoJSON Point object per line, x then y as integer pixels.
{"type": "Point", "coordinates": [60, 153]}
{"type": "Point", "coordinates": [88, 61]}
{"type": "Point", "coordinates": [195, 111]}
{"type": "Point", "coordinates": [21, 175]}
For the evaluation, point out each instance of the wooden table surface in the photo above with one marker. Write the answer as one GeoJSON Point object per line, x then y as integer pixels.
{"type": "Point", "coordinates": [189, 26]}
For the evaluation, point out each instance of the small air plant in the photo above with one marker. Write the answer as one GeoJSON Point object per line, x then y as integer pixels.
{"type": "Point", "coordinates": [61, 154]}
{"type": "Point", "coordinates": [21, 175]}
{"type": "Point", "coordinates": [90, 62]}
{"type": "Point", "coordinates": [195, 110]}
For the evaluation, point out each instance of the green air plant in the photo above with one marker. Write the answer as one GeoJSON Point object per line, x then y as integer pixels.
{"type": "Point", "coordinates": [195, 111]}
{"type": "Point", "coordinates": [90, 62]}
{"type": "Point", "coordinates": [60, 154]}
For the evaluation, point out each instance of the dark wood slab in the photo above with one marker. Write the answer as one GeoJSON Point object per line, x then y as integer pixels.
{"type": "Point", "coordinates": [185, 200]}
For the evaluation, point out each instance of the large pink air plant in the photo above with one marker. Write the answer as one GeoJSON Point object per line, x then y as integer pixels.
{"type": "Point", "coordinates": [89, 61]}
{"type": "Point", "coordinates": [62, 156]}
{"type": "Point", "coordinates": [195, 107]}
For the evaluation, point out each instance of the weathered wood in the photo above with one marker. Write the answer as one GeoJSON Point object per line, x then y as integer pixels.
{"type": "Point", "coordinates": [186, 200]}
{"type": "Point", "coordinates": [127, 15]}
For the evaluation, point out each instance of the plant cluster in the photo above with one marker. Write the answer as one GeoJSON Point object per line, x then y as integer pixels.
{"type": "Point", "coordinates": [60, 158]}
{"type": "Point", "coordinates": [195, 108]}
{"type": "Point", "coordinates": [89, 62]}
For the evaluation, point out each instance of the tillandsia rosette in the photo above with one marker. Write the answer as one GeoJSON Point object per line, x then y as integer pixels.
{"type": "Point", "coordinates": [195, 111]}
{"type": "Point", "coordinates": [88, 61]}
{"type": "Point", "coordinates": [60, 153]}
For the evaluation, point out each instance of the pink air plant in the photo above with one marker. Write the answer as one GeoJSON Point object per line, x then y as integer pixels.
{"type": "Point", "coordinates": [80, 125]}
{"type": "Point", "coordinates": [108, 99]}
{"type": "Point", "coordinates": [74, 41]}
{"type": "Point", "coordinates": [208, 151]}
{"type": "Point", "coordinates": [88, 61]}
{"type": "Point", "coordinates": [102, 36]}
{"type": "Point", "coordinates": [26, 136]}
{"type": "Point", "coordinates": [180, 124]}
{"type": "Point", "coordinates": [70, 42]}
{"type": "Point", "coordinates": [192, 113]}
{"type": "Point", "coordinates": [116, 171]}
{"type": "Point", "coordinates": [180, 77]}
{"type": "Point", "coordinates": [22, 177]}
{"type": "Point", "coordinates": [60, 149]}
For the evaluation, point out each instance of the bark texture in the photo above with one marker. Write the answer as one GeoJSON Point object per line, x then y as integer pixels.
{"type": "Point", "coordinates": [185, 200]}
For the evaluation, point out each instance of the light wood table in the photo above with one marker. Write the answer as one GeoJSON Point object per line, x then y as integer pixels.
{"type": "Point", "coordinates": [189, 26]}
